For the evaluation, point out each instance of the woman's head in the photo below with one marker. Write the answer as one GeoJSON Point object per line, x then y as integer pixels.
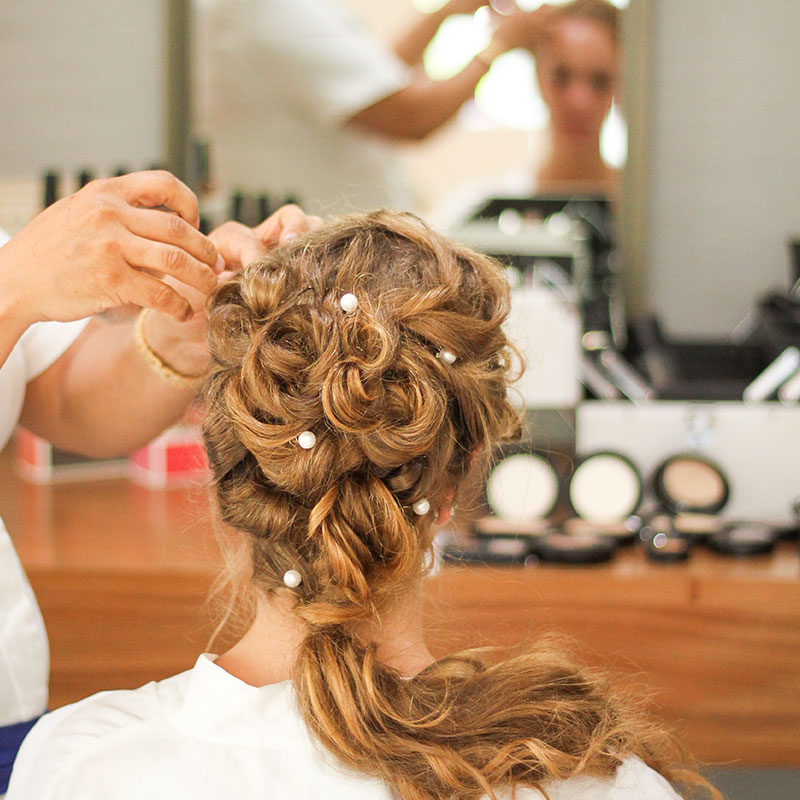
{"type": "Point", "coordinates": [394, 422]}
{"type": "Point", "coordinates": [577, 66]}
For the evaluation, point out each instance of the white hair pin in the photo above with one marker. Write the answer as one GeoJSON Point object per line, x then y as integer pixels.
{"type": "Point", "coordinates": [422, 507]}
{"type": "Point", "coordinates": [292, 578]}
{"type": "Point", "coordinates": [307, 439]}
{"type": "Point", "coordinates": [348, 302]}
{"type": "Point", "coordinates": [448, 356]}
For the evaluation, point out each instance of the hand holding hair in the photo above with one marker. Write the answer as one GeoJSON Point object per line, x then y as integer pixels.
{"type": "Point", "coordinates": [182, 346]}
{"type": "Point", "coordinates": [240, 245]}
{"type": "Point", "coordinates": [107, 246]}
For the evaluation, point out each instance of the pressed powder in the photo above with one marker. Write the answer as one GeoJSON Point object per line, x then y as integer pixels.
{"type": "Point", "coordinates": [605, 487]}
{"type": "Point", "coordinates": [578, 549]}
{"type": "Point", "coordinates": [694, 524]}
{"type": "Point", "coordinates": [744, 539]}
{"type": "Point", "coordinates": [691, 483]}
{"type": "Point", "coordinates": [522, 487]}
{"type": "Point", "coordinates": [666, 548]}
{"type": "Point", "coordinates": [622, 531]}
{"type": "Point", "coordinates": [497, 526]}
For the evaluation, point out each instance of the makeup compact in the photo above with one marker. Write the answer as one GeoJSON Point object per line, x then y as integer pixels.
{"type": "Point", "coordinates": [691, 483]}
{"type": "Point", "coordinates": [522, 487]}
{"type": "Point", "coordinates": [745, 539]}
{"type": "Point", "coordinates": [620, 531]}
{"type": "Point", "coordinates": [696, 526]}
{"type": "Point", "coordinates": [666, 547]}
{"type": "Point", "coordinates": [605, 488]}
{"type": "Point", "coordinates": [498, 526]}
{"type": "Point", "coordinates": [562, 548]}
{"type": "Point", "coordinates": [490, 550]}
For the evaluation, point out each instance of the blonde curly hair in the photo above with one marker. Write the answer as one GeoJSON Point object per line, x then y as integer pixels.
{"type": "Point", "coordinates": [394, 424]}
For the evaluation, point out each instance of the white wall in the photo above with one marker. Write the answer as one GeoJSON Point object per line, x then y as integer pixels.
{"type": "Point", "coordinates": [82, 85]}
{"type": "Point", "coordinates": [724, 190]}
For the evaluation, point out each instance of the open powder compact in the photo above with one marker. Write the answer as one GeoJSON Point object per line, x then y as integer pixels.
{"type": "Point", "coordinates": [605, 487]}
{"type": "Point", "coordinates": [689, 482]}
{"type": "Point", "coordinates": [745, 539]}
{"type": "Point", "coordinates": [496, 550]}
{"type": "Point", "coordinates": [563, 548]}
{"type": "Point", "coordinates": [622, 532]}
{"type": "Point", "coordinates": [696, 526]}
{"type": "Point", "coordinates": [667, 548]}
{"type": "Point", "coordinates": [497, 526]}
{"type": "Point", "coordinates": [522, 487]}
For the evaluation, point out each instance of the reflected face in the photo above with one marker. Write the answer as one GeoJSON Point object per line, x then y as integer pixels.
{"type": "Point", "coordinates": [577, 71]}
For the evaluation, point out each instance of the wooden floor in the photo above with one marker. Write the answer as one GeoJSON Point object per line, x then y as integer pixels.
{"type": "Point", "coordinates": [123, 576]}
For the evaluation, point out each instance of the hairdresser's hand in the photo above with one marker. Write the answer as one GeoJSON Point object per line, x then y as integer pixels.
{"type": "Point", "coordinates": [183, 345]}
{"type": "Point", "coordinates": [107, 246]}
{"type": "Point", "coordinates": [525, 28]}
{"type": "Point", "coordinates": [239, 245]}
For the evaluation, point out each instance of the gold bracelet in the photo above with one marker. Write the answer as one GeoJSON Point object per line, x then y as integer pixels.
{"type": "Point", "coordinates": [156, 362]}
{"type": "Point", "coordinates": [495, 48]}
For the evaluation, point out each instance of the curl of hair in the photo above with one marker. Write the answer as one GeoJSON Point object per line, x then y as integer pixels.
{"type": "Point", "coordinates": [393, 424]}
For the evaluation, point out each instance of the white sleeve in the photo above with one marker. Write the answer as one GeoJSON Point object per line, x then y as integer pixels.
{"type": "Point", "coordinates": [327, 64]}
{"type": "Point", "coordinates": [44, 342]}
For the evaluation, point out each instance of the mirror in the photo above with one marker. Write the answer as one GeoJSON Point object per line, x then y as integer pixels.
{"type": "Point", "coordinates": [709, 195]}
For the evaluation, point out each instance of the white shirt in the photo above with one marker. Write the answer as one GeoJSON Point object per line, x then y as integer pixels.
{"type": "Point", "coordinates": [24, 658]}
{"type": "Point", "coordinates": [276, 81]}
{"type": "Point", "coordinates": [206, 735]}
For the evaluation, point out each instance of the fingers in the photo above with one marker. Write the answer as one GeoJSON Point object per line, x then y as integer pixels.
{"type": "Point", "coordinates": [152, 293]}
{"type": "Point", "coordinates": [165, 259]}
{"type": "Point", "coordinates": [284, 225]}
{"type": "Point", "coordinates": [171, 229]}
{"type": "Point", "coordinates": [160, 188]}
{"type": "Point", "coordinates": [237, 244]}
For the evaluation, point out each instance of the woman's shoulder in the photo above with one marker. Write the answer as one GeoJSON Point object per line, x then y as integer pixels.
{"type": "Point", "coordinates": [633, 780]}
{"type": "Point", "coordinates": [66, 738]}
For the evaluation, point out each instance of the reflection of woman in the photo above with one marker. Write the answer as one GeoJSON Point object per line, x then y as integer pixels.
{"type": "Point", "coordinates": [575, 47]}
{"type": "Point", "coordinates": [297, 98]}
{"type": "Point", "coordinates": [356, 375]}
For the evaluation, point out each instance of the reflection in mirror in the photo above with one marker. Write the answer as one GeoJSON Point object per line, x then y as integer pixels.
{"type": "Point", "coordinates": [288, 96]}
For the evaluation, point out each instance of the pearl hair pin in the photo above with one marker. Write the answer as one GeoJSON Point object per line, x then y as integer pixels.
{"type": "Point", "coordinates": [422, 507]}
{"type": "Point", "coordinates": [448, 356]}
{"type": "Point", "coordinates": [348, 302]}
{"type": "Point", "coordinates": [292, 578]}
{"type": "Point", "coordinates": [307, 439]}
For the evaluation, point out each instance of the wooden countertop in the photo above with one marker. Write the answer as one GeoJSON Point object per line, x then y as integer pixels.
{"type": "Point", "coordinates": [123, 576]}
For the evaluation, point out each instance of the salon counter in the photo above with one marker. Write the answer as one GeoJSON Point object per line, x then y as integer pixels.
{"type": "Point", "coordinates": [123, 576]}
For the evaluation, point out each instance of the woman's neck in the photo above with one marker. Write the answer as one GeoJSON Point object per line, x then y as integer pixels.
{"type": "Point", "coordinates": [267, 652]}
{"type": "Point", "coordinates": [573, 163]}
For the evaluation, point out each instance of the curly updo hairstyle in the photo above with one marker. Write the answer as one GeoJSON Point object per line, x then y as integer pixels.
{"type": "Point", "coordinates": [394, 423]}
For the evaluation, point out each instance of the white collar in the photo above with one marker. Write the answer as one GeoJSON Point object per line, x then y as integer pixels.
{"type": "Point", "coordinates": [219, 706]}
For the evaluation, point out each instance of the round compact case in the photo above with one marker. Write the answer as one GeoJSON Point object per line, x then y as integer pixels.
{"type": "Point", "coordinates": [622, 532]}
{"type": "Point", "coordinates": [522, 488]}
{"type": "Point", "coordinates": [561, 548]}
{"type": "Point", "coordinates": [667, 549]}
{"type": "Point", "coordinates": [691, 483]}
{"type": "Point", "coordinates": [661, 542]}
{"type": "Point", "coordinates": [745, 539]}
{"type": "Point", "coordinates": [605, 489]}
{"type": "Point", "coordinates": [697, 527]}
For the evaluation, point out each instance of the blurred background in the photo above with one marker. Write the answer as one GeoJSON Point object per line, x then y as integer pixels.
{"type": "Point", "coordinates": [703, 228]}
